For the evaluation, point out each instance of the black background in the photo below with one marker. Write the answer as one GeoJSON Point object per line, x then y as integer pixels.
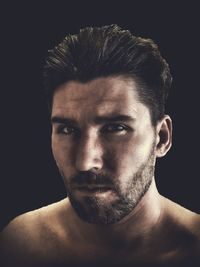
{"type": "Point", "coordinates": [29, 178]}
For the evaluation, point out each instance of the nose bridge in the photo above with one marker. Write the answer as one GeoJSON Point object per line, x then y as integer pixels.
{"type": "Point", "coordinates": [89, 152]}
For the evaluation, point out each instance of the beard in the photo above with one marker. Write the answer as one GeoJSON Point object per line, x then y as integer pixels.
{"type": "Point", "coordinates": [95, 210]}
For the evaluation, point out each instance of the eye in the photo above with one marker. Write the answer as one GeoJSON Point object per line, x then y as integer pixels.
{"type": "Point", "coordinates": [67, 130]}
{"type": "Point", "coordinates": [115, 128]}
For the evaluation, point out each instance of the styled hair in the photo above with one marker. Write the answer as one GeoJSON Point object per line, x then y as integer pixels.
{"type": "Point", "coordinates": [110, 51]}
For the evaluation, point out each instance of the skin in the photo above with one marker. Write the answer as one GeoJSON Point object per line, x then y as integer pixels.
{"type": "Point", "coordinates": [156, 231]}
{"type": "Point", "coordinates": [92, 142]}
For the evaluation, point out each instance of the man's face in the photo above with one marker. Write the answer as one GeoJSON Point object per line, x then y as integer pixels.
{"type": "Point", "coordinates": [104, 146]}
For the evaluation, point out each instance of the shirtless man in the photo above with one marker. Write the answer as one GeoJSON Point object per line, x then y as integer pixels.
{"type": "Point", "coordinates": [107, 91]}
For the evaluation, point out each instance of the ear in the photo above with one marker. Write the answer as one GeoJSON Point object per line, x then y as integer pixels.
{"type": "Point", "coordinates": [163, 136]}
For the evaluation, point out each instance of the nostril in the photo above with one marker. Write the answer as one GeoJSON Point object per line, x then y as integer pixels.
{"type": "Point", "coordinates": [88, 160]}
{"type": "Point", "coordinates": [83, 164]}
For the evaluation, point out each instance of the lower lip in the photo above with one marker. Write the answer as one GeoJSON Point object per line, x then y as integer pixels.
{"type": "Point", "coordinates": [102, 192]}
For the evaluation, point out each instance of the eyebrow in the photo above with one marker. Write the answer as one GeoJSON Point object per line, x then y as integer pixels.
{"type": "Point", "coordinates": [97, 120]}
{"type": "Point", "coordinates": [63, 120]}
{"type": "Point", "coordinates": [102, 119]}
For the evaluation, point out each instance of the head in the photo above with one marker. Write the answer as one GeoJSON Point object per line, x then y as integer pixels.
{"type": "Point", "coordinates": [107, 91]}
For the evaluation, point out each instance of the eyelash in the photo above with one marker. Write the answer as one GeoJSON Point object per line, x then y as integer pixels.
{"type": "Point", "coordinates": [72, 130]}
{"type": "Point", "coordinates": [114, 129]}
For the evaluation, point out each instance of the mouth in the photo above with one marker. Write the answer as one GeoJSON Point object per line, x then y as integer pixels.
{"type": "Point", "coordinates": [96, 190]}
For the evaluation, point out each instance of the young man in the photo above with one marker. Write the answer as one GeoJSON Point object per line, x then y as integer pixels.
{"type": "Point", "coordinates": [107, 91]}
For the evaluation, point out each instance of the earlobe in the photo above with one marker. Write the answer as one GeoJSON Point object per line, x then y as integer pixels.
{"type": "Point", "coordinates": [164, 136]}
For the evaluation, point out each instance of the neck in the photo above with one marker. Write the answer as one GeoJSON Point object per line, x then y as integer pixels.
{"type": "Point", "coordinates": [137, 225]}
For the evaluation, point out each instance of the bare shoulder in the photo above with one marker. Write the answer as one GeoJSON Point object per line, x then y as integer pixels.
{"type": "Point", "coordinates": [183, 227]}
{"type": "Point", "coordinates": [28, 234]}
{"type": "Point", "coordinates": [184, 216]}
{"type": "Point", "coordinates": [32, 222]}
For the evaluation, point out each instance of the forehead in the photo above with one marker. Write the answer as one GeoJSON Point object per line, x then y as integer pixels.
{"type": "Point", "coordinates": [100, 96]}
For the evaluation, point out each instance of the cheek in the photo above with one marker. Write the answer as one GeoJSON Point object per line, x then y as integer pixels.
{"type": "Point", "coordinates": [128, 156]}
{"type": "Point", "coordinates": [61, 152]}
{"type": "Point", "coordinates": [119, 156]}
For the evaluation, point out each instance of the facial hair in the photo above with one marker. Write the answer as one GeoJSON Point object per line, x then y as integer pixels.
{"type": "Point", "coordinates": [93, 210]}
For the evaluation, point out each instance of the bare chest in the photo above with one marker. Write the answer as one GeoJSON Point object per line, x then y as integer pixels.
{"type": "Point", "coordinates": [73, 253]}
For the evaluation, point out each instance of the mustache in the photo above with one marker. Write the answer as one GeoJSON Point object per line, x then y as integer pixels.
{"type": "Point", "coordinates": [91, 178]}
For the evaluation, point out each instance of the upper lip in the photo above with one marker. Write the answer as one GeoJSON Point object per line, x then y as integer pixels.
{"type": "Point", "coordinates": [94, 186]}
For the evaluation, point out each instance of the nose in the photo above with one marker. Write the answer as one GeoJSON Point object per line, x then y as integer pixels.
{"type": "Point", "coordinates": [89, 153]}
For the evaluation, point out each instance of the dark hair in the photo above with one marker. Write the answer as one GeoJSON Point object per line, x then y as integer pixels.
{"type": "Point", "coordinates": [110, 51]}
